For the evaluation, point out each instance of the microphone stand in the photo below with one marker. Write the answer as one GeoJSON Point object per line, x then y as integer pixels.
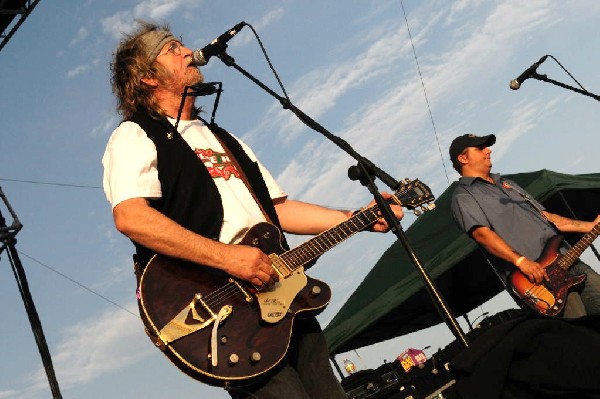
{"type": "Point", "coordinates": [545, 78]}
{"type": "Point", "coordinates": [365, 171]}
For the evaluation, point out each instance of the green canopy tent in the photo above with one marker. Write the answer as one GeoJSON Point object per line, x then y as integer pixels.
{"type": "Point", "coordinates": [392, 300]}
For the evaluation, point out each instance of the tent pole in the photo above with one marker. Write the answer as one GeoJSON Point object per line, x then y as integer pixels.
{"type": "Point", "coordinates": [564, 200]}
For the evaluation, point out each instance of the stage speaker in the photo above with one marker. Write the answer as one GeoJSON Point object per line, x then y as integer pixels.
{"type": "Point", "coordinates": [363, 384]}
{"type": "Point", "coordinates": [387, 381]}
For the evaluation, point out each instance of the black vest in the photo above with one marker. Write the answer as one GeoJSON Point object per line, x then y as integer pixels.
{"type": "Point", "coordinates": [189, 195]}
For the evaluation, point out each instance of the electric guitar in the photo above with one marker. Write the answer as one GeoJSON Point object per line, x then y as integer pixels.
{"type": "Point", "coordinates": [548, 298]}
{"type": "Point", "coordinates": [219, 329]}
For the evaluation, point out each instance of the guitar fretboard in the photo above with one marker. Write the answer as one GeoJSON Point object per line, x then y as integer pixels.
{"type": "Point", "coordinates": [328, 239]}
{"type": "Point", "coordinates": [575, 252]}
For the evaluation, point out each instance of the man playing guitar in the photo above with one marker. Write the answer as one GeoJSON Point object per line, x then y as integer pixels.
{"type": "Point", "coordinates": [514, 228]}
{"type": "Point", "coordinates": [191, 195]}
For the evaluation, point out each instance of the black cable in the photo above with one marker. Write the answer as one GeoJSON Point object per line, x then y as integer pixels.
{"type": "Point", "coordinates": [49, 183]}
{"type": "Point", "coordinates": [425, 92]}
{"type": "Point", "coordinates": [264, 51]}
{"type": "Point", "coordinates": [568, 73]}
{"type": "Point", "coordinates": [78, 283]}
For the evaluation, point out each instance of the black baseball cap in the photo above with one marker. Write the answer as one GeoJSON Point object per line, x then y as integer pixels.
{"type": "Point", "coordinates": [469, 140]}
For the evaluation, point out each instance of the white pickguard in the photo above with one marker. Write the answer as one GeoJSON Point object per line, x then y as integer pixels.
{"type": "Point", "coordinates": [275, 302]}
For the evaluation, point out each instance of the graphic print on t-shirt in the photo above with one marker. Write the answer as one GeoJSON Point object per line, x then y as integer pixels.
{"type": "Point", "coordinates": [218, 163]}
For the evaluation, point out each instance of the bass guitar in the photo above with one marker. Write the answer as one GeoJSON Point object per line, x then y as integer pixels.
{"type": "Point", "coordinates": [221, 330]}
{"type": "Point", "coordinates": [548, 298]}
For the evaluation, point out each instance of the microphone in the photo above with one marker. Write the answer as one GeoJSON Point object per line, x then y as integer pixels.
{"type": "Point", "coordinates": [515, 84]}
{"type": "Point", "coordinates": [215, 47]}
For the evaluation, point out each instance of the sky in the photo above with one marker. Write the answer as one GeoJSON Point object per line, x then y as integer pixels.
{"type": "Point", "coordinates": [397, 80]}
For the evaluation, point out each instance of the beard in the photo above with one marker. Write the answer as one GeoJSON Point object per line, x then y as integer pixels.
{"type": "Point", "coordinates": [177, 82]}
{"type": "Point", "coordinates": [194, 76]}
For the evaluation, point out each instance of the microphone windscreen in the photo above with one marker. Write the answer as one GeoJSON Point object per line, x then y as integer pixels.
{"type": "Point", "coordinates": [198, 58]}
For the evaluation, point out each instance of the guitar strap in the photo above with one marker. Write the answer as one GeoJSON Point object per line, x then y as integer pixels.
{"type": "Point", "coordinates": [242, 174]}
{"type": "Point", "coordinates": [530, 201]}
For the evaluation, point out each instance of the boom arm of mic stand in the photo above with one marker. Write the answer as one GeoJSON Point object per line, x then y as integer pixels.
{"type": "Point", "coordinates": [307, 120]}
{"type": "Point", "coordinates": [368, 169]}
{"type": "Point", "coordinates": [545, 78]}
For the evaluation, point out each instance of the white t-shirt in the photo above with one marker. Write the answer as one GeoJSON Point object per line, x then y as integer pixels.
{"type": "Point", "coordinates": [130, 171]}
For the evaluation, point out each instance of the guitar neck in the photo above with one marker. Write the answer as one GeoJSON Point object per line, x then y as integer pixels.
{"type": "Point", "coordinates": [575, 252]}
{"type": "Point", "coordinates": [328, 239]}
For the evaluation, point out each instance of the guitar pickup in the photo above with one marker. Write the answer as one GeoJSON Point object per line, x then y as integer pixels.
{"type": "Point", "coordinates": [180, 326]}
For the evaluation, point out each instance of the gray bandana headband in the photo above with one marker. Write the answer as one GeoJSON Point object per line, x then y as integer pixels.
{"type": "Point", "coordinates": [153, 42]}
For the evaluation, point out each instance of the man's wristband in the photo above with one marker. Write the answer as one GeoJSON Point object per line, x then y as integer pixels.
{"type": "Point", "coordinates": [519, 261]}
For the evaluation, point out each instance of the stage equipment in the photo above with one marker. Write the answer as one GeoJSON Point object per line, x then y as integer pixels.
{"type": "Point", "coordinates": [8, 240]}
{"type": "Point", "coordinates": [215, 47]}
{"type": "Point", "coordinates": [12, 14]}
{"type": "Point", "coordinates": [429, 380]}
{"type": "Point", "coordinates": [411, 357]}
{"type": "Point", "coordinates": [426, 379]}
{"type": "Point", "coordinates": [515, 84]}
{"type": "Point", "coordinates": [531, 72]}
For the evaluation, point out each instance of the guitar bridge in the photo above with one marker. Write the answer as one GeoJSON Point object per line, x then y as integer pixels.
{"type": "Point", "coordinates": [180, 325]}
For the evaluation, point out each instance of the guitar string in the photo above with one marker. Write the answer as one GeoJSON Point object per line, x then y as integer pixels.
{"type": "Point", "coordinates": [221, 293]}
{"type": "Point", "coordinates": [573, 254]}
{"type": "Point", "coordinates": [307, 252]}
{"type": "Point", "coordinates": [302, 255]}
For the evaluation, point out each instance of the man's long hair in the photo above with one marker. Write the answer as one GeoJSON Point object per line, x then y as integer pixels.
{"type": "Point", "coordinates": [128, 67]}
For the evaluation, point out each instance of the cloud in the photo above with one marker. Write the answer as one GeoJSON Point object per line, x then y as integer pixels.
{"type": "Point", "coordinates": [460, 7]}
{"type": "Point", "coordinates": [266, 20]}
{"type": "Point", "coordinates": [111, 121]}
{"type": "Point", "coordinates": [117, 24]}
{"type": "Point", "coordinates": [399, 118]}
{"type": "Point", "coordinates": [83, 68]}
{"type": "Point", "coordinates": [524, 122]}
{"type": "Point", "coordinates": [103, 344]}
{"type": "Point", "coordinates": [81, 35]}
{"type": "Point", "coordinates": [150, 10]}
{"type": "Point", "coordinates": [318, 92]}
{"type": "Point", "coordinates": [115, 276]}
{"type": "Point", "coordinates": [157, 9]}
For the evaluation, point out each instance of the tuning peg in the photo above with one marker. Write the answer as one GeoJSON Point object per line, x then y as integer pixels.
{"type": "Point", "coordinates": [431, 206]}
{"type": "Point", "coordinates": [417, 212]}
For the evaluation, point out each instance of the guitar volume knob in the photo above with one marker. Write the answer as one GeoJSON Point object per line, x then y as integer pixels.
{"type": "Point", "coordinates": [233, 359]}
{"type": "Point", "coordinates": [316, 290]}
{"type": "Point", "coordinates": [255, 357]}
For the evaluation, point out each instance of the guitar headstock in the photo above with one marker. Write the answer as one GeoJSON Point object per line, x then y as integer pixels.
{"type": "Point", "coordinates": [415, 195]}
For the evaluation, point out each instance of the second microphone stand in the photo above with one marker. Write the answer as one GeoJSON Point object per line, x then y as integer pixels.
{"type": "Point", "coordinates": [545, 78]}
{"type": "Point", "coordinates": [365, 173]}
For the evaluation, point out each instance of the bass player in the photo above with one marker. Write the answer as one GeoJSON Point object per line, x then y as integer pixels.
{"type": "Point", "coordinates": [510, 225]}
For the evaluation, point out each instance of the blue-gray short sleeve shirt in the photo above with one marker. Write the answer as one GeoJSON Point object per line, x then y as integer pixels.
{"type": "Point", "coordinates": [502, 208]}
